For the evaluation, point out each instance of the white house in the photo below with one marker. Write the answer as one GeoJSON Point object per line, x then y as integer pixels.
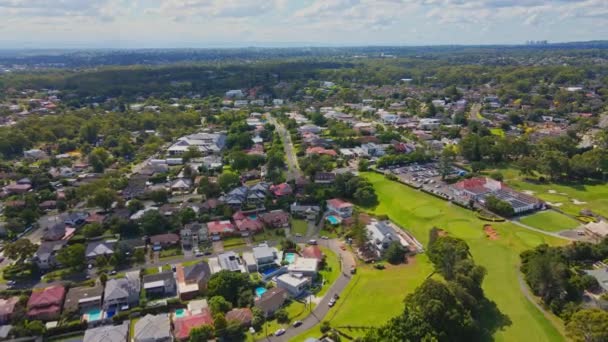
{"type": "Point", "coordinates": [295, 284]}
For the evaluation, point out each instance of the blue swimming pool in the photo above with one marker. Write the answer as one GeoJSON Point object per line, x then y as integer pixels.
{"type": "Point", "coordinates": [269, 270]}
{"type": "Point", "coordinates": [94, 315]}
{"type": "Point", "coordinates": [179, 313]}
{"type": "Point", "coordinates": [332, 219]}
{"type": "Point", "coordinates": [290, 257]}
{"type": "Point", "coordinates": [253, 216]}
{"type": "Point", "coordinates": [259, 291]}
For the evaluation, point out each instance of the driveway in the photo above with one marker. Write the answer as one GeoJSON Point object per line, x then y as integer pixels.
{"type": "Point", "coordinates": [347, 260]}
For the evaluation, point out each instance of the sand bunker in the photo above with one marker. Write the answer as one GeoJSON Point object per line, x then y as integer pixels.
{"type": "Point", "coordinates": [551, 191]}
{"type": "Point", "coordinates": [577, 202]}
{"type": "Point", "coordinates": [558, 204]}
{"type": "Point", "coordinates": [528, 192]}
{"type": "Point", "coordinates": [490, 232]}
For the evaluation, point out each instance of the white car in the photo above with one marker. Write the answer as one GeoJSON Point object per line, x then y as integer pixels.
{"type": "Point", "coordinates": [279, 332]}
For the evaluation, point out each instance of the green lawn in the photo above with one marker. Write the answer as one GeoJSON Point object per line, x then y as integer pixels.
{"type": "Point", "coordinates": [566, 197]}
{"type": "Point", "coordinates": [374, 296]}
{"type": "Point", "coordinates": [295, 311]}
{"type": "Point", "coordinates": [330, 272]}
{"type": "Point", "coordinates": [233, 242]}
{"type": "Point", "coordinates": [132, 328]}
{"type": "Point", "coordinates": [551, 221]}
{"type": "Point", "coordinates": [299, 227]}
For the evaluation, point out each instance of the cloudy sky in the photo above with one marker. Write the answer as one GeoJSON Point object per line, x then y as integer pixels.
{"type": "Point", "coordinates": [204, 23]}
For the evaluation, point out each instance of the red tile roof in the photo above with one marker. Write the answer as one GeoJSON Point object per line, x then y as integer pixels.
{"type": "Point", "coordinates": [312, 252]}
{"type": "Point", "coordinates": [282, 189]}
{"type": "Point", "coordinates": [242, 315]}
{"type": "Point", "coordinates": [220, 227]}
{"type": "Point", "coordinates": [338, 203]}
{"type": "Point", "coordinates": [7, 306]}
{"type": "Point", "coordinates": [183, 326]}
{"type": "Point", "coordinates": [47, 296]}
{"type": "Point", "coordinates": [321, 150]}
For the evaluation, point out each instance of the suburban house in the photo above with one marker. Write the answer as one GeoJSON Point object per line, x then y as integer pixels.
{"type": "Point", "coordinates": [309, 212]}
{"type": "Point", "coordinates": [76, 219]}
{"type": "Point", "coordinates": [218, 229]}
{"type": "Point", "coordinates": [479, 188]}
{"type": "Point", "coordinates": [183, 326]}
{"type": "Point", "coordinates": [45, 304]}
{"type": "Point", "coordinates": [160, 284]}
{"type": "Point", "coordinates": [108, 333]}
{"type": "Point", "coordinates": [192, 280]}
{"type": "Point", "coordinates": [99, 248]}
{"type": "Point", "coordinates": [192, 234]}
{"type": "Point", "coordinates": [295, 283]}
{"type": "Point", "coordinates": [271, 300]}
{"type": "Point", "coordinates": [246, 224]}
{"type": "Point", "coordinates": [309, 129]}
{"type": "Point", "coordinates": [373, 150]}
{"type": "Point", "coordinates": [206, 143]}
{"type": "Point", "coordinates": [7, 307]}
{"type": "Point", "coordinates": [227, 261]}
{"type": "Point", "coordinates": [324, 177]}
{"type": "Point", "coordinates": [15, 188]}
{"type": "Point", "coordinates": [122, 293]}
{"type": "Point", "coordinates": [181, 185]}
{"type": "Point", "coordinates": [380, 236]}
{"type": "Point", "coordinates": [342, 208]}
{"type": "Point", "coordinates": [56, 232]}
{"type": "Point", "coordinates": [305, 266]}
{"type": "Point", "coordinates": [82, 299]}
{"type": "Point", "coordinates": [265, 256]}
{"type": "Point", "coordinates": [312, 252]}
{"type": "Point", "coordinates": [164, 240]}
{"type": "Point", "coordinates": [281, 190]}
{"type": "Point", "coordinates": [242, 315]}
{"type": "Point", "coordinates": [46, 255]}
{"type": "Point", "coordinates": [153, 328]}
{"type": "Point", "coordinates": [275, 219]}
{"type": "Point", "coordinates": [321, 150]}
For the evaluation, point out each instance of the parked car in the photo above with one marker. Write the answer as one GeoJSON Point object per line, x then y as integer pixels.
{"type": "Point", "coordinates": [336, 296]}
{"type": "Point", "coordinates": [279, 332]}
{"type": "Point", "coordinates": [324, 237]}
{"type": "Point", "coordinates": [332, 302]}
{"type": "Point", "coordinates": [198, 254]}
{"type": "Point", "coordinates": [312, 242]}
{"type": "Point", "coordinates": [113, 272]}
{"type": "Point", "coordinates": [298, 235]}
{"type": "Point", "coordinates": [297, 324]}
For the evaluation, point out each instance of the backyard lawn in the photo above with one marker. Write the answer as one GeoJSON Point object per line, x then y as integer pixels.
{"type": "Point", "coordinates": [299, 227]}
{"type": "Point", "coordinates": [550, 220]}
{"type": "Point", "coordinates": [374, 296]}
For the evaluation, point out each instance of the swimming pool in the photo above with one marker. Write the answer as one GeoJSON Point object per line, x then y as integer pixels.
{"type": "Point", "coordinates": [259, 291]}
{"type": "Point", "coordinates": [179, 313]}
{"type": "Point", "coordinates": [332, 219]}
{"type": "Point", "coordinates": [290, 257]}
{"type": "Point", "coordinates": [253, 217]}
{"type": "Point", "coordinates": [94, 315]}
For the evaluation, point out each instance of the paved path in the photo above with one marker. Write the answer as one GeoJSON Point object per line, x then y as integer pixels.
{"type": "Point", "coordinates": [542, 231]}
{"type": "Point", "coordinates": [321, 310]}
{"type": "Point", "coordinates": [530, 296]}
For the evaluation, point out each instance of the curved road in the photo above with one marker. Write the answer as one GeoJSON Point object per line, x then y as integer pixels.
{"type": "Point", "coordinates": [321, 310]}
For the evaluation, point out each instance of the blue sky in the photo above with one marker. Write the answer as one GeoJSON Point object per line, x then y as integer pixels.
{"type": "Point", "coordinates": [202, 23]}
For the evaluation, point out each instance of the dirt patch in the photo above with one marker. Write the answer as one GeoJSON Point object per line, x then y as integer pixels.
{"type": "Point", "coordinates": [490, 232]}
{"type": "Point", "coordinates": [441, 232]}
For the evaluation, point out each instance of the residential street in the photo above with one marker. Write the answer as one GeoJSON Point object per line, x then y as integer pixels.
{"type": "Point", "coordinates": [293, 169]}
{"type": "Point", "coordinates": [347, 261]}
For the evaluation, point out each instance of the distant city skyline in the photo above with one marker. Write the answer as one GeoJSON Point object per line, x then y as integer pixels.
{"type": "Point", "coordinates": [284, 23]}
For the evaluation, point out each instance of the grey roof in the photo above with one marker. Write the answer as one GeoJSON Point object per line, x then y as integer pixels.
{"type": "Point", "coordinates": [108, 333]}
{"type": "Point", "coordinates": [47, 248]}
{"type": "Point", "coordinates": [153, 328]}
{"type": "Point", "coordinates": [122, 287]}
{"type": "Point", "coordinates": [166, 276]}
{"type": "Point", "coordinates": [76, 295]}
{"type": "Point", "coordinates": [601, 275]}
{"type": "Point", "coordinates": [98, 248]}
{"type": "Point", "coordinates": [229, 261]}
{"type": "Point", "coordinates": [197, 272]}
{"type": "Point", "coordinates": [263, 251]}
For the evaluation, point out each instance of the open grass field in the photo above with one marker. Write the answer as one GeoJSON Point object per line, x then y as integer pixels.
{"type": "Point", "coordinates": [551, 221]}
{"type": "Point", "coordinates": [299, 227]}
{"type": "Point", "coordinates": [377, 295]}
{"type": "Point", "coordinates": [570, 198]}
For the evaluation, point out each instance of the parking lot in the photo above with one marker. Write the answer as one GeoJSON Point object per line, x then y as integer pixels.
{"type": "Point", "coordinates": [425, 176]}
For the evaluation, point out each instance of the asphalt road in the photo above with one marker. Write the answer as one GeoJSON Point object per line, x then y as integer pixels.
{"type": "Point", "coordinates": [322, 309]}
{"type": "Point", "coordinates": [293, 169]}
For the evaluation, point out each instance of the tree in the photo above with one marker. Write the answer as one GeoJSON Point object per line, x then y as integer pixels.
{"type": "Point", "coordinates": [104, 198]}
{"type": "Point", "coordinates": [208, 188]}
{"type": "Point", "coordinates": [134, 205]}
{"type": "Point", "coordinates": [228, 285]}
{"type": "Point", "coordinates": [72, 256]}
{"type": "Point", "coordinates": [153, 222]}
{"type": "Point", "coordinates": [363, 165]}
{"type": "Point", "coordinates": [219, 304]}
{"type": "Point", "coordinates": [234, 331]}
{"type": "Point", "coordinates": [159, 196]}
{"type": "Point", "coordinates": [446, 252]}
{"type": "Point", "coordinates": [588, 325]}
{"type": "Point", "coordinates": [325, 327]}
{"type": "Point", "coordinates": [191, 153]}
{"type": "Point", "coordinates": [19, 250]}
{"type": "Point", "coordinates": [140, 255]}
{"type": "Point", "coordinates": [395, 253]}
{"type": "Point", "coordinates": [281, 316]}
{"type": "Point", "coordinates": [99, 158]}
{"type": "Point", "coordinates": [219, 321]}
{"type": "Point", "coordinates": [187, 215]}
{"type": "Point", "coordinates": [93, 229]}
{"type": "Point", "coordinates": [229, 180]}
{"type": "Point", "coordinates": [201, 334]}
{"type": "Point", "coordinates": [499, 206]}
